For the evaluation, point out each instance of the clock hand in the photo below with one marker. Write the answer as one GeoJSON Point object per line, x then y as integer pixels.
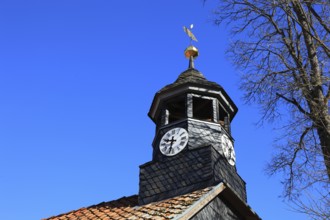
{"type": "Point", "coordinates": [171, 146]}
{"type": "Point", "coordinates": [172, 141]}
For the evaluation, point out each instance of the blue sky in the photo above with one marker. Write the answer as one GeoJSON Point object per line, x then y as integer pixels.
{"type": "Point", "coordinates": [77, 79]}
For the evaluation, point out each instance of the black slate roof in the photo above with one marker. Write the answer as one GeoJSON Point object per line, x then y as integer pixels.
{"type": "Point", "coordinates": [191, 76]}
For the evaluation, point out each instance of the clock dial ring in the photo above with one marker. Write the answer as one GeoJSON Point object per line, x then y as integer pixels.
{"type": "Point", "coordinates": [228, 149]}
{"type": "Point", "coordinates": [173, 141]}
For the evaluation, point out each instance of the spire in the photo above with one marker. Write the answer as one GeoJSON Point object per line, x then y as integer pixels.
{"type": "Point", "coordinates": [190, 52]}
{"type": "Point", "coordinates": [191, 63]}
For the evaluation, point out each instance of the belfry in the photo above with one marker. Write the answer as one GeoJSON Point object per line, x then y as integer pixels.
{"type": "Point", "coordinates": [192, 173]}
{"type": "Point", "coordinates": [193, 146]}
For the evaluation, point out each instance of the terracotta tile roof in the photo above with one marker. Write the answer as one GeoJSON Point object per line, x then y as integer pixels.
{"type": "Point", "coordinates": [127, 208]}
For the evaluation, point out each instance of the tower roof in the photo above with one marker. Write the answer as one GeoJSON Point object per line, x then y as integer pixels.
{"type": "Point", "coordinates": [191, 76]}
{"type": "Point", "coordinates": [190, 79]}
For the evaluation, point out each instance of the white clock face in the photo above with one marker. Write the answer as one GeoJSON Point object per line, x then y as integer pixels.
{"type": "Point", "coordinates": [228, 149]}
{"type": "Point", "coordinates": [173, 141]}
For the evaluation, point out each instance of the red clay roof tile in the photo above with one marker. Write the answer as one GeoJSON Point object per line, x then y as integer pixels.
{"type": "Point", "coordinates": [127, 208]}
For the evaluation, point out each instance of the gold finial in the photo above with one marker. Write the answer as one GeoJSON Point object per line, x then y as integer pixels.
{"type": "Point", "coordinates": [190, 52]}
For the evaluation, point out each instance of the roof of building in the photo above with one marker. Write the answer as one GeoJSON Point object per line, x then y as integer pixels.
{"type": "Point", "coordinates": [179, 207]}
{"type": "Point", "coordinates": [191, 76]}
{"type": "Point", "coordinates": [127, 208]}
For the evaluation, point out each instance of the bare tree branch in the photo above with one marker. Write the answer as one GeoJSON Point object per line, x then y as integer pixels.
{"type": "Point", "coordinates": [295, 103]}
{"type": "Point", "coordinates": [283, 47]}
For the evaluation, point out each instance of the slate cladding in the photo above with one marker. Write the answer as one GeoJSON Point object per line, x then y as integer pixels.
{"type": "Point", "coordinates": [185, 172]}
{"type": "Point", "coordinates": [200, 165]}
{"type": "Point", "coordinates": [200, 134]}
{"type": "Point", "coordinates": [191, 76]}
{"type": "Point", "coordinates": [175, 176]}
{"type": "Point", "coordinates": [217, 209]}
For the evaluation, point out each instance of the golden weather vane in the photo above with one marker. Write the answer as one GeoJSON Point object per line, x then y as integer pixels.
{"type": "Point", "coordinates": [190, 52]}
{"type": "Point", "coordinates": [189, 33]}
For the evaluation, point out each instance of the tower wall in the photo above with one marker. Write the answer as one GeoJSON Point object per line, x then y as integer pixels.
{"type": "Point", "coordinates": [201, 133]}
{"type": "Point", "coordinates": [186, 172]}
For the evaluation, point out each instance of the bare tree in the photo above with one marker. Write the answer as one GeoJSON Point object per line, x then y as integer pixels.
{"type": "Point", "coordinates": [283, 48]}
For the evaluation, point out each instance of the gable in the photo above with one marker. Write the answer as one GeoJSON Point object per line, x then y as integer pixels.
{"type": "Point", "coordinates": [217, 209]}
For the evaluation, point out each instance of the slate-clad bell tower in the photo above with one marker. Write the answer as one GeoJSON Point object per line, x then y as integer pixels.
{"type": "Point", "coordinates": [192, 174]}
{"type": "Point", "coordinates": [193, 147]}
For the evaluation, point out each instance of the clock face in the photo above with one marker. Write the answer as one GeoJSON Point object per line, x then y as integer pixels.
{"type": "Point", "coordinates": [228, 149]}
{"type": "Point", "coordinates": [173, 141]}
